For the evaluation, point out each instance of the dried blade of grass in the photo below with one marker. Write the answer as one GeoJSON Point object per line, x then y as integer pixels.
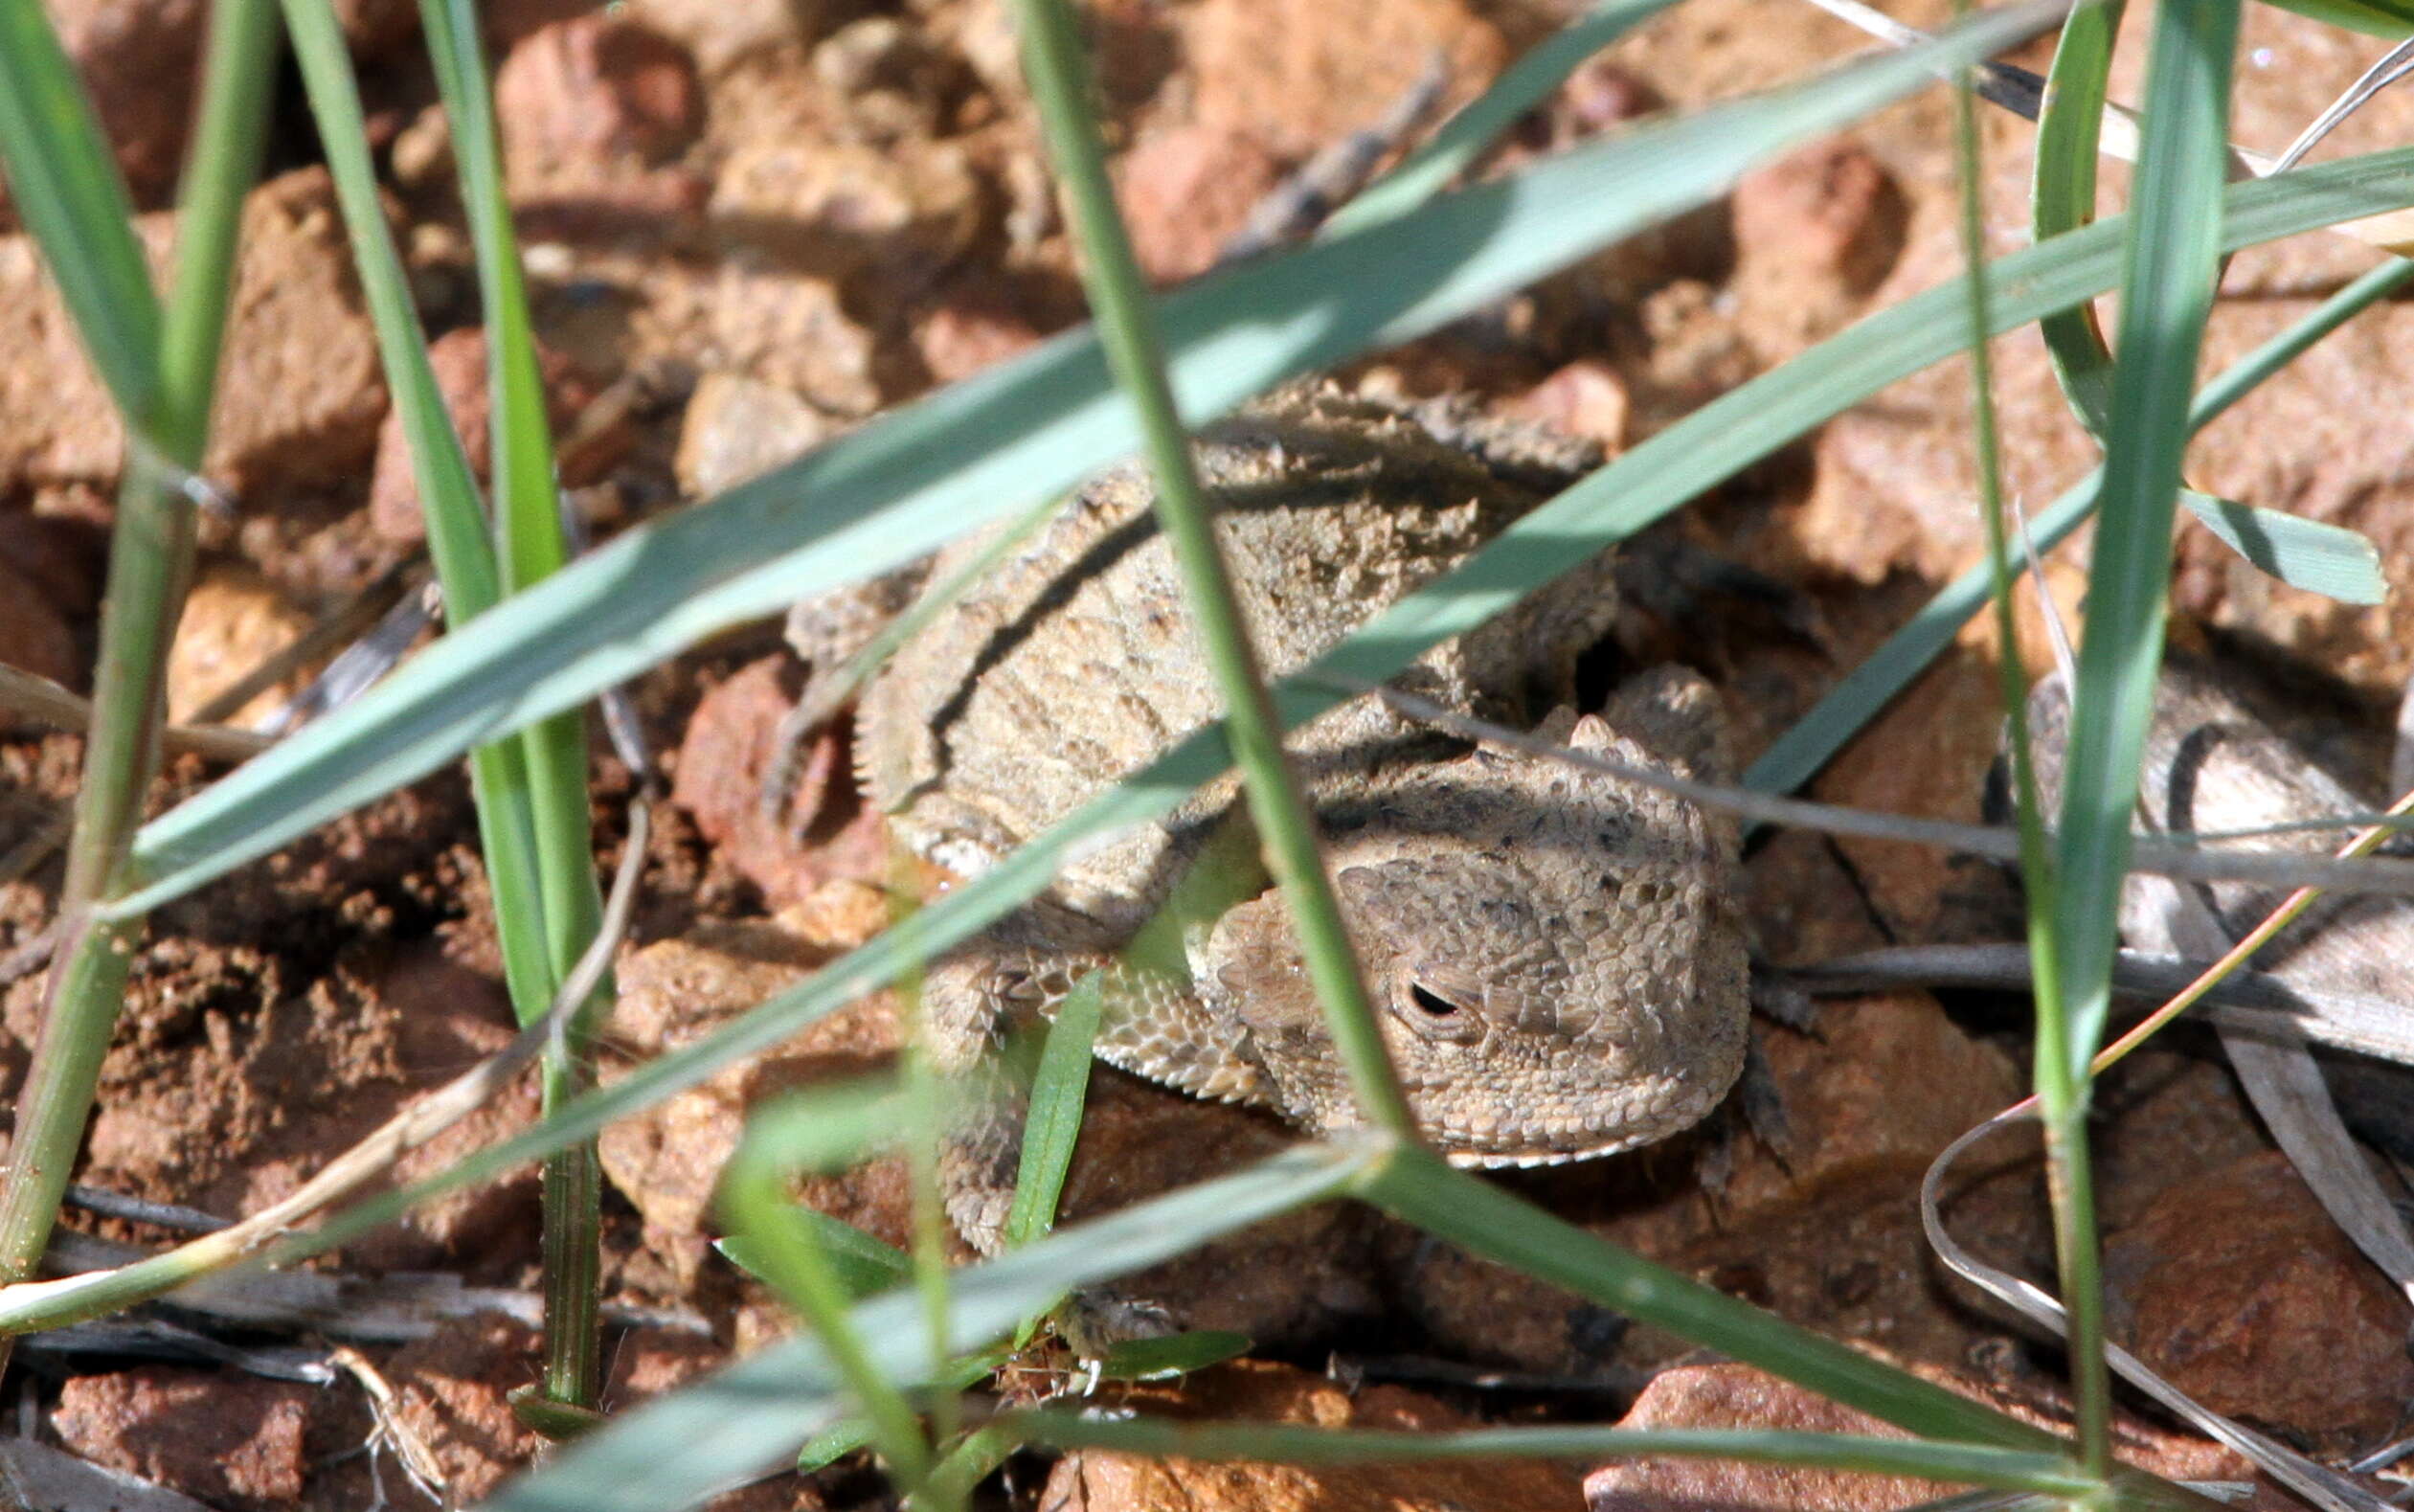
{"type": "Point", "coordinates": [2161, 856]}
{"type": "Point", "coordinates": [2317, 1483]}
{"type": "Point", "coordinates": [2366, 1025]}
{"type": "Point", "coordinates": [37, 698]}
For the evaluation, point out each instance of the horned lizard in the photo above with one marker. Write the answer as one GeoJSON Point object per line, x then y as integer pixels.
{"type": "Point", "coordinates": [1555, 955]}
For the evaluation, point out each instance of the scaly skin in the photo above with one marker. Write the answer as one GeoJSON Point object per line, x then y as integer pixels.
{"type": "Point", "coordinates": [1555, 955]}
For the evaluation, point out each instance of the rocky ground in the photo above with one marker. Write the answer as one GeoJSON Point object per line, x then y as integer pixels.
{"type": "Point", "coordinates": [752, 223]}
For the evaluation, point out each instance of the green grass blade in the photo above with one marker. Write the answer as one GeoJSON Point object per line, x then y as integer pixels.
{"type": "Point", "coordinates": [865, 1263]}
{"type": "Point", "coordinates": [1173, 1355]}
{"type": "Point", "coordinates": [1463, 138]}
{"type": "Point", "coordinates": [1806, 747]}
{"type": "Point", "coordinates": [2172, 265]}
{"type": "Point", "coordinates": [2172, 256]}
{"type": "Point", "coordinates": [1285, 1443]}
{"type": "Point", "coordinates": [2328, 560]}
{"type": "Point", "coordinates": [817, 1131]}
{"type": "Point", "coordinates": [1485, 1220]}
{"type": "Point", "coordinates": [151, 559]}
{"type": "Point", "coordinates": [2062, 196]}
{"type": "Point", "coordinates": [448, 490]}
{"type": "Point", "coordinates": [903, 485]}
{"type": "Point", "coordinates": [1052, 1125]}
{"type": "Point", "coordinates": [68, 191]}
{"type": "Point", "coordinates": [2392, 19]}
{"type": "Point", "coordinates": [1061, 85]}
{"type": "Point", "coordinates": [567, 902]}
{"type": "Point", "coordinates": [675, 1450]}
{"type": "Point", "coordinates": [230, 129]}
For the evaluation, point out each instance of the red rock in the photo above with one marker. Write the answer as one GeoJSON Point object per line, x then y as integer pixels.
{"type": "Point", "coordinates": [1816, 232]}
{"type": "Point", "coordinates": [958, 340]}
{"type": "Point", "coordinates": [228, 1437]}
{"type": "Point", "coordinates": [732, 740]}
{"type": "Point", "coordinates": [1586, 399]}
{"type": "Point", "coordinates": [1095, 1480]}
{"type": "Point", "coordinates": [1738, 1396]}
{"type": "Point", "coordinates": [33, 635]}
{"type": "Point", "coordinates": [1185, 191]}
{"type": "Point", "coordinates": [598, 87]}
{"type": "Point", "coordinates": [1298, 78]}
{"type": "Point", "coordinates": [460, 360]}
{"type": "Point", "coordinates": [2239, 1289]}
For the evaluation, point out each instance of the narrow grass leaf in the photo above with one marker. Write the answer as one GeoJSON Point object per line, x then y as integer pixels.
{"type": "Point", "coordinates": [1463, 138]}
{"type": "Point", "coordinates": [2167, 292]}
{"type": "Point", "coordinates": [1173, 1355]}
{"type": "Point", "coordinates": [904, 484]}
{"type": "Point", "coordinates": [67, 191]}
{"type": "Point", "coordinates": [1420, 1188]}
{"type": "Point", "coordinates": [677, 1449]}
{"type": "Point", "coordinates": [2327, 559]}
{"type": "Point", "coordinates": [1052, 1126]}
{"type": "Point", "coordinates": [2062, 198]}
{"type": "Point", "coordinates": [865, 1262]}
{"type": "Point", "coordinates": [2172, 263]}
{"type": "Point", "coordinates": [1287, 1443]}
{"type": "Point", "coordinates": [816, 1131]}
{"type": "Point", "coordinates": [2377, 17]}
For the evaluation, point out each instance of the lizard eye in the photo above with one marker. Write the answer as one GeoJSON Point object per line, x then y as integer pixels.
{"type": "Point", "coordinates": [1437, 1009]}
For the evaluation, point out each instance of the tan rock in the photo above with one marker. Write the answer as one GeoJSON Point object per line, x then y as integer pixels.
{"type": "Point", "coordinates": [668, 1161]}
{"type": "Point", "coordinates": [1094, 1480]}
{"type": "Point", "coordinates": [234, 621]}
{"type": "Point", "coordinates": [738, 428]}
{"type": "Point", "coordinates": [1738, 1396]}
{"type": "Point", "coordinates": [300, 390]}
{"type": "Point", "coordinates": [1299, 77]}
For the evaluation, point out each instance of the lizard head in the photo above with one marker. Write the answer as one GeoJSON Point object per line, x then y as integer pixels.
{"type": "Point", "coordinates": [1552, 954]}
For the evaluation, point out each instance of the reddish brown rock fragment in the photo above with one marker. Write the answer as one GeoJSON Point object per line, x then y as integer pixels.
{"type": "Point", "coordinates": [230, 1438]}
{"type": "Point", "coordinates": [2239, 1289]}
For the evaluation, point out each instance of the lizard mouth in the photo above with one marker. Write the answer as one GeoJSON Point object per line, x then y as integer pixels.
{"type": "Point", "coordinates": [1535, 1152]}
